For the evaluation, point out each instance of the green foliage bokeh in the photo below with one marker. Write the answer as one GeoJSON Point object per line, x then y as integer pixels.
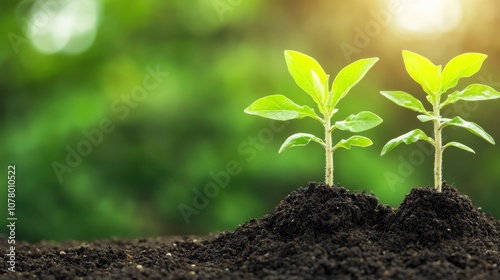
{"type": "Point", "coordinates": [220, 56]}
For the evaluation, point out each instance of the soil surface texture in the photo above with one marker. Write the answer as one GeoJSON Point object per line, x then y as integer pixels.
{"type": "Point", "coordinates": [316, 232]}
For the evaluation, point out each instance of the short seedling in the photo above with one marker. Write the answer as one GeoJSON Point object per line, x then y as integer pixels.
{"type": "Point", "coordinates": [311, 77]}
{"type": "Point", "coordinates": [435, 83]}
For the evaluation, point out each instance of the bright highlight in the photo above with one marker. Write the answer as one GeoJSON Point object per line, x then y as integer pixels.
{"type": "Point", "coordinates": [429, 16]}
{"type": "Point", "coordinates": [62, 26]}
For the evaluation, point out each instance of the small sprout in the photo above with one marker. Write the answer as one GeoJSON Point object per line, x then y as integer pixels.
{"type": "Point", "coordinates": [311, 77]}
{"type": "Point", "coordinates": [435, 83]}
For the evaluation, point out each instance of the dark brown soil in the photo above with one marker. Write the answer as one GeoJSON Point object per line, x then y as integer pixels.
{"type": "Point", "coordinates": [314, 233]}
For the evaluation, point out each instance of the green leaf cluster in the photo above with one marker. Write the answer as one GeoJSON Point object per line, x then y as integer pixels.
{"type": "Point", "coordinates": [311, 78]}
{"type": "Point", "coordinates": [435, 83]}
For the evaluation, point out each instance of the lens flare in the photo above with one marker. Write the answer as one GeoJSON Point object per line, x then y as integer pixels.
{"type": "Point", "coordinates": [62, 26]}
{"type": "Point", "coordinates": [428, 16]}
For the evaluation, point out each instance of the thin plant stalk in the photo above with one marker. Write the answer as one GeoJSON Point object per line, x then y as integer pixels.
{"type": "Point", "coordinates": [438, 145]}
{"type": "Point", "coordinates": [329, 152]}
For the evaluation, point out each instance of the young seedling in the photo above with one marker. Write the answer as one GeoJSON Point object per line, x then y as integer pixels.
{"type": "Point", "coordinates": [435, 83]}
{"type": "Point", "coordinates": [309, 76]}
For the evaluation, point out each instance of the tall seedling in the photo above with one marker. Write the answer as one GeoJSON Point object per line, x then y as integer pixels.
{"type": "Point", "coordinates": [435, 83]}
{"type": "Point", "coordinates": [311, 77]}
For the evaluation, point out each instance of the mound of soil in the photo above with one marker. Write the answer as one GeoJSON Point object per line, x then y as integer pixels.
{"type": "Point", "coordinates": [316, 232]}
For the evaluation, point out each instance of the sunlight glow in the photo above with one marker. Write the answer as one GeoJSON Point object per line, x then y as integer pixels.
{"type": "Point", "coordinates": [429, 16]}
{"type": "Point", "coordinates": [62, 26]}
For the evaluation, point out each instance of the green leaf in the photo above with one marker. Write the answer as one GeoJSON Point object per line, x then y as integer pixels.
{"type": "Point", "coordinates": [300, 67]}
{"type": "Point", "coordinates": [458, 145]}
{"type": "Point", "coordinates": [462, 66]}
{"type": "Point", "coordinates": [279, 107]}
{"type": "Point", "coordinates": [360, 122]}
{"type": "Point", "coordinates": [299, 139]}
{"type": "Point", "coordinates": [321, 90]}
{"type": "Point", "coordinates": [474, 128]}
{"type": "Point", "coordinates": [348, 77]}
{"type": "Point", "coordinates": [426, 118]}
{"type": "Point", "coordinates": [408, 138]}
{"type": "Point", "coordinates": [478, 92]}
{"type": "Point", "coordinates": [474, 92]}
{"type": "Point", "coordinates": [452, 98]}
{"type": "Point", "coordinates": [423, 71]}
{"type": "Point", "coordinates": [404, 99]}
{"type": "Point", "coordinates": [356, 140]}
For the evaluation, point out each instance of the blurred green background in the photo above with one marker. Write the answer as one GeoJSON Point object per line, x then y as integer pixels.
{"type": "Point", "coordinates": [70, 69]}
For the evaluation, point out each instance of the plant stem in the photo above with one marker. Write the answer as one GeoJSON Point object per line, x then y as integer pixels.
{"type": "Point", "coordinates": [438, 145]}
{"type": "Point", "coordinates": [329, 152]}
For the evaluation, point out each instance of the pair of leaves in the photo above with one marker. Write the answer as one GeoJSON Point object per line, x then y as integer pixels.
{"type": "Point", "coordinates": [279, 107]}
{"type": "Point", "coordinates": [355, 123]}
{"type": "Point", "coordinates": [302, 139]}
{"type": "Point", "coordinates": [310, 77]}
{"type": "Point", "coordinates": [474, 92]}
{"type": "Point", "coordinates": [433, 81]}
{"type": "Point", "coordinates": [417, 135]}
